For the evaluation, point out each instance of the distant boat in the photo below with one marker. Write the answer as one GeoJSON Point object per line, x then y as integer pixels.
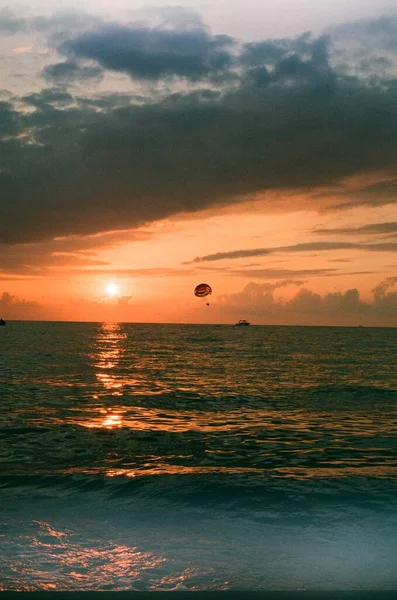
{"type": "Point", "coordinates": [2, 322]}
{"type": "Point", "coordinates": [242, 323]}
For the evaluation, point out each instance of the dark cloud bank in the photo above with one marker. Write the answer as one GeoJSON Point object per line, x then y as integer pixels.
{"type": "Point", "coordinates": [240, 119]}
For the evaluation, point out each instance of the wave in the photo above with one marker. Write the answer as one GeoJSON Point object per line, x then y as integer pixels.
{"type": "Point", "coordinates": [248, 491]}
{"type": "Point", "coordinates": [352, 395]}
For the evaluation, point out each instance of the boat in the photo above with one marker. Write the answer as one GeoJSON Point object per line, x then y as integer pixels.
{"type": "Point", "coordinates": [2, 322]}
{"type": "Point", "coordinates": [242, 323]}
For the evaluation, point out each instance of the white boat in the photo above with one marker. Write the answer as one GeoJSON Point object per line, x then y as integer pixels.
{"type": "Point", "coordinates": [242, 323]}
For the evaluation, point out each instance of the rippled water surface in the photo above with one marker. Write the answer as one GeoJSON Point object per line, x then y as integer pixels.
{"type": "Point", "coordinates": [197, 457]}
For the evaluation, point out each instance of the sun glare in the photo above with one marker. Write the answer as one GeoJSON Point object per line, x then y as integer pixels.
{"type": "Point", "coordinates": [111, 289]}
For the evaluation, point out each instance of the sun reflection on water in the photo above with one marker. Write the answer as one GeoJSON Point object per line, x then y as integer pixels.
{"type": "Point", "coordinates": [107, 361]}
{"type": "Point", "coordinates": [109, 344]}
{"type": "Point", "coordinates": [64, 560]}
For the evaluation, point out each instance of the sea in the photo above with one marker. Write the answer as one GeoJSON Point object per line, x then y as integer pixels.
{"type": "Point", "coordinates": [164, 457]}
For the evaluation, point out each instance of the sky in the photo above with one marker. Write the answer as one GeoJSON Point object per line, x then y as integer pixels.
{"type": "Point", "coordinates": [146, 148]}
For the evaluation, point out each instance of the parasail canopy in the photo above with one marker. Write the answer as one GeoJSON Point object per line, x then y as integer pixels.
{"type": "Point", "coordinates": [202, 290]}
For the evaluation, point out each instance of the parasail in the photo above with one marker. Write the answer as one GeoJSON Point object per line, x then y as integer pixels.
{"type": "Point", "coordinates": [202, 290]}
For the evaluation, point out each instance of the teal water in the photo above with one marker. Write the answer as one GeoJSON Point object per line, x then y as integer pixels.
{"type": "Point", "coordinates": [156, 457]}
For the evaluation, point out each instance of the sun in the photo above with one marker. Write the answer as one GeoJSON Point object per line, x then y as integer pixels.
{"type": "Point", "coordinates": [112, 289]}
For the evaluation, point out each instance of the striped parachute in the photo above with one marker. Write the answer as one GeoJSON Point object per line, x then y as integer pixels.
{"type": "Point", "coordinates": [202, 290]}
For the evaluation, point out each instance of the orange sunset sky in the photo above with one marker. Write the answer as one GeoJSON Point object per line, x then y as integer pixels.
{"type": "Point", "coordinates": [251, 146]}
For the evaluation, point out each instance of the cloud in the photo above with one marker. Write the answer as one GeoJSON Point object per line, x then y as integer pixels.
{"type": "Point", "coordinates": [380, 290]}
{"type": "Point", "coordinates": [10, 124]}
{"type": "Point", "coordinates": [131, 273]}
{"type": "Point", "coordinates": [37, 263]}
{"type": "Point", "coordinates": [10, 23]}
{"type": "Point", "coordinates": [304, 247]}
{"type": "Point", "coordinates": [67, 252]}
{"type": "Point", "coordinates": [380, 33]}
{"type": "Point", "coordinates": [174, 17]}
{"type": "Point", "coordinates": [257, 300]}
{"type": "Point", "coordinates": [60, 23]}
{"type": "Point", "coordinates": [281, 118]}
{"type": "Point", "coordinates": [306, 301]}
{"type": "Point", "coordinates": [69, 265]}
{"type": "Point", "coordinates": [153, 53]}
{"type": "Point", "coordinates": [278, 273]}
{"type": "Point", "coordinates": [375, 194]}
{"type": "Point", "coordinates": [372, 228]}
{"type": "Point", "coordinates": [12, 307]}
{"type": "Point", "coordinates": [69, 71]}
{"type": "Point", "coordinates": [341, 260]}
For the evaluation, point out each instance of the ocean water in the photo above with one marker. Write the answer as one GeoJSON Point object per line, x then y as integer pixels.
{"type": "Point", "coordinates": [187, 457]}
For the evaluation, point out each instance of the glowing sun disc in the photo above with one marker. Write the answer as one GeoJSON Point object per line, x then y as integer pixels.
{"type": "Point", "coordinates": [111, 289]}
